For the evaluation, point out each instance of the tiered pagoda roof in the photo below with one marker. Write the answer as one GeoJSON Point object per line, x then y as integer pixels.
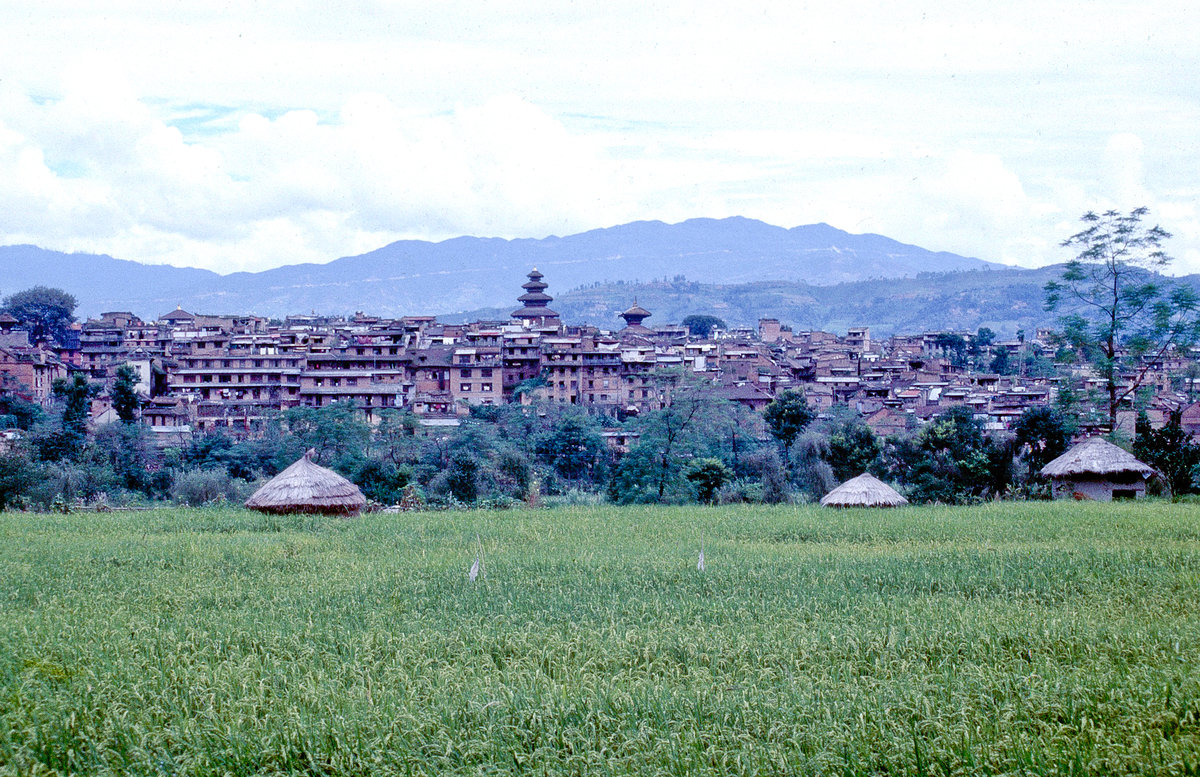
{"type": "Point", "coordinates": [535, 300]}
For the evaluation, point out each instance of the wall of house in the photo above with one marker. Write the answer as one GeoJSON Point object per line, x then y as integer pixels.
{"type": "Point", "coordinates": [1095, 490]}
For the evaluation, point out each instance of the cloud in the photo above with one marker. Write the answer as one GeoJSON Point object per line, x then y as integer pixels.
{"type": "Point", "coordinates": [264, 133]}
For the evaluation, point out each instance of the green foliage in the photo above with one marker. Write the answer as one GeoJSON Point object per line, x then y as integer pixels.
{"type": "Point", "coordinates": [17, 476]}
{"type": "Point", "coordinates": [573, 447]}
{"type": "Point", "coordinates": [853, 446]}
{"type": "Point", "coordinates": [125, 399]}
{"type": "Point", "coordinates": [673, 435]}
{"type": "Point", "coordinates": [337, 432]}
{"type": "Point", "coordinates": [76, 397]}
{"type": "Point", "coordinates": [1169, 450]}
{"type": "Point", "coordinates": [462, 478]}
{"type": "Point", "coordinates": [1128, 315]}
{"type": "Point", "coordinates": [198, 487]}
{"type": "Point", "coordinates": [787, 416]}
{"type": "Point", "coordinates": [1000, 639]}
{"type": "Point", "coordinates": [949, 461]}
{"type": "Point", "coordinates": [19, 413]}
{"type": "Point", "coordinates": [707, 476]}
{"type": "Point", "coordinates": [46, 312]}
{"type": "Point", "coordinates": [811, 472]}
{"type": "Point", "coordinates": [382, 480]}
{"type": "Point", "coordinates": [1042, 433]}
{"type": "Point", "coordinates": [700, 325]}
{"type": "Point", "coordinates": [953, 347]}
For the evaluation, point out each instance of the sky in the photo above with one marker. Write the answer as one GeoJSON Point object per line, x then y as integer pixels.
{"type": "Point", "coordinates": [246, 135]}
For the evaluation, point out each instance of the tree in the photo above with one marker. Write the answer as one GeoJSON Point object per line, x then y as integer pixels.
{"type": "Point", "coordinates": [668, 438]}
{"type": "Point", "coordinates": [45, 311]}
{"type": "Point", "coordinates": [787, 416]}
{"type": "Point", "coordinates": [953, 347]}
{"type": "Point", "coordinates": [1121, 314]}
{"type": "Point", "coordinates": [76, 396]}
{"type": "Point", "coordinates": [853, 446]}
{"type": "Point", "coordinates": [124, 394]}
{"type": "Point", "coordinates": [1043, 433]}
{"type": "Point", "coordinates": [336, 431]}
{"type": "Point", "coordinates": [949, 460]}
{"type": "Point", "coordinates": [1170, 450]}
{"type": "Point", "coordinates": [702, 325]}
{"type": "Point", "coordinates": [573, 446]}
{"type": "Point", "coordinates": [708, 475]}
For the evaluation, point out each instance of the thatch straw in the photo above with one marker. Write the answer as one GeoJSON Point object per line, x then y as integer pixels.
{"type": "Point", "coordinates": [866, 490]}
{"type": "Point", "coordinates": [305, 487]}
{"type": "Point", "coordinates": [1096, 456]}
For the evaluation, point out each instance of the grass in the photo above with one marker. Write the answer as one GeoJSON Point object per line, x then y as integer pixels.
{"type": "Point", "coordinates": [1003, 639]}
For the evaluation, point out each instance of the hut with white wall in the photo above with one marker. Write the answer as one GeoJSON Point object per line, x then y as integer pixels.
{"type": "Point", "coordinates": [1096, 469]}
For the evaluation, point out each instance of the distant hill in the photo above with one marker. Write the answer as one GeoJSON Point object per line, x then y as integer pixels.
{"type": "Point", "coordinates": [1002, 300]}
{"type": "Point", "coordinates": [467, 273]}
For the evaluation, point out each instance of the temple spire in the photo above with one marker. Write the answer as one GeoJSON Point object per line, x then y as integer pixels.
{"type": "Point", "coordinates": [535, 300]}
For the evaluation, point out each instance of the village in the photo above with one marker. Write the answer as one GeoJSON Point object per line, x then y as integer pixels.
{"type": "Point", "coordinates": [200, 373]}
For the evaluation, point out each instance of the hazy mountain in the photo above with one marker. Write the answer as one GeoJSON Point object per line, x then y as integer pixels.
{"type": "Point", "coordinates": [466, 273]}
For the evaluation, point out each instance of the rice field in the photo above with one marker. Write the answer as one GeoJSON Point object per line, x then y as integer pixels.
{"type": "Point", "coordinates": [1001, 639]}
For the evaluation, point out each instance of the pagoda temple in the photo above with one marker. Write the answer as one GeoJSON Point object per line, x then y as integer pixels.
{"type": "Point", "coordinates": [633, 320]}
{"type": "Point", "coordinates": [535, 301]}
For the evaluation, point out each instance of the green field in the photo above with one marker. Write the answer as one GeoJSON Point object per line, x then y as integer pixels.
{"type": "Point", "coordinates": [1014, 638]}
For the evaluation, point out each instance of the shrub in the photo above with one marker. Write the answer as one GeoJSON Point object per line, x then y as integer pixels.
{"type": "Point", "coordinates": [205, 486]}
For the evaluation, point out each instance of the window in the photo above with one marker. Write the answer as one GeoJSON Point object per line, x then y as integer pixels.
{"type": "Point", "coordinates": [465, 387]}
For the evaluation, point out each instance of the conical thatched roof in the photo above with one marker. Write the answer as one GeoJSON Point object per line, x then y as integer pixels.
{"type": "Point", "coordinates": [305, 487]}
{"type": "Point", "coordinates": [1096, 456]}
{"type": "Point", "coordinates": [866, 490]}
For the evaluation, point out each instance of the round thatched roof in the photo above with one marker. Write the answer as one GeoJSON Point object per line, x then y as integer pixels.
{"type": "Point", "coordinates": [1096, 456]}
{"type": "Point", "coordinates": [866, 490]}
{"type": "Point", "coordinates": [305, 487]}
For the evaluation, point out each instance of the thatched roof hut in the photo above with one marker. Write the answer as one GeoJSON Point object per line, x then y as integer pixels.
{"type": "Point", "coordinates": [305, 487]}
{"type": "Point", "coordinates": [1097, 469]}
{"type": "Point", "coordinates": [866, 490]}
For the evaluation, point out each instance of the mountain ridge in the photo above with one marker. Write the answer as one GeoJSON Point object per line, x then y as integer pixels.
{"type": "Point", "coordinates": [467, 273]}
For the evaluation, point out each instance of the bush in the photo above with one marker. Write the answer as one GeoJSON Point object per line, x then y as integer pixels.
{"type": "Point", "coordinates": [741, 491]}
{"type": "Point", "coordinates": [207, 486]}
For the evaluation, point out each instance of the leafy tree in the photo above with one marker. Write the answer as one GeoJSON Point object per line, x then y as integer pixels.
{"type": "Point", "coordinates": [707, 476]}
{"type": "Point", "coordinates": [811, 472]}
{"type": "Point", "coordinates": [76, 397]}
{"type": "Point", "coordinates": [16, 477]}
{"type": "Point", "coordinates": [980, 344]}
{"type": "Point", "coordinates": [462, 478]}
{"type": "Point", "coordinates": [853, 446]}
{"type": "Point", "coordinates": [1043, 433]}
{"type": "Point", "coordinates": [787, 416]}
{"type": "Point", "coordinates": [45, 311]}
{"type": "Point", "coordinates": [949, 460]}
{"type": "Point", "coordinates": [124, 394]}
{"type": "Point", "coordinates": [382, 480]}
{"type": "Point", "coordinates": [953, 347]}
{"type": "Point", "coordinates": [336, 431]}
{"type": "Point", "coordinates": [703, 325]}
{"type": "Point", "coordinates": [18, 412]}
{"type": "Point", "coordinates": [1170, 450]}
{"type": "Point", "coordinates": [573, 447]}
{"type": "Point", "coordinates": [1123, 315]}
{"type": "Point", "coordinates": [1000, 363]}
{"type": "Point", "coordinates": [668, 438]}
{"type": "Point", "coordinates": [125, 452]}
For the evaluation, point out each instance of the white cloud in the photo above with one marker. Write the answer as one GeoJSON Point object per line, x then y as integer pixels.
{"type": "Point", "coordinates": [251, 135]}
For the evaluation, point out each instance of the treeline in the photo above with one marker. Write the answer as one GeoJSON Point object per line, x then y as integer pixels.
{"type": "Point", "coordinates": [699, 449]}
